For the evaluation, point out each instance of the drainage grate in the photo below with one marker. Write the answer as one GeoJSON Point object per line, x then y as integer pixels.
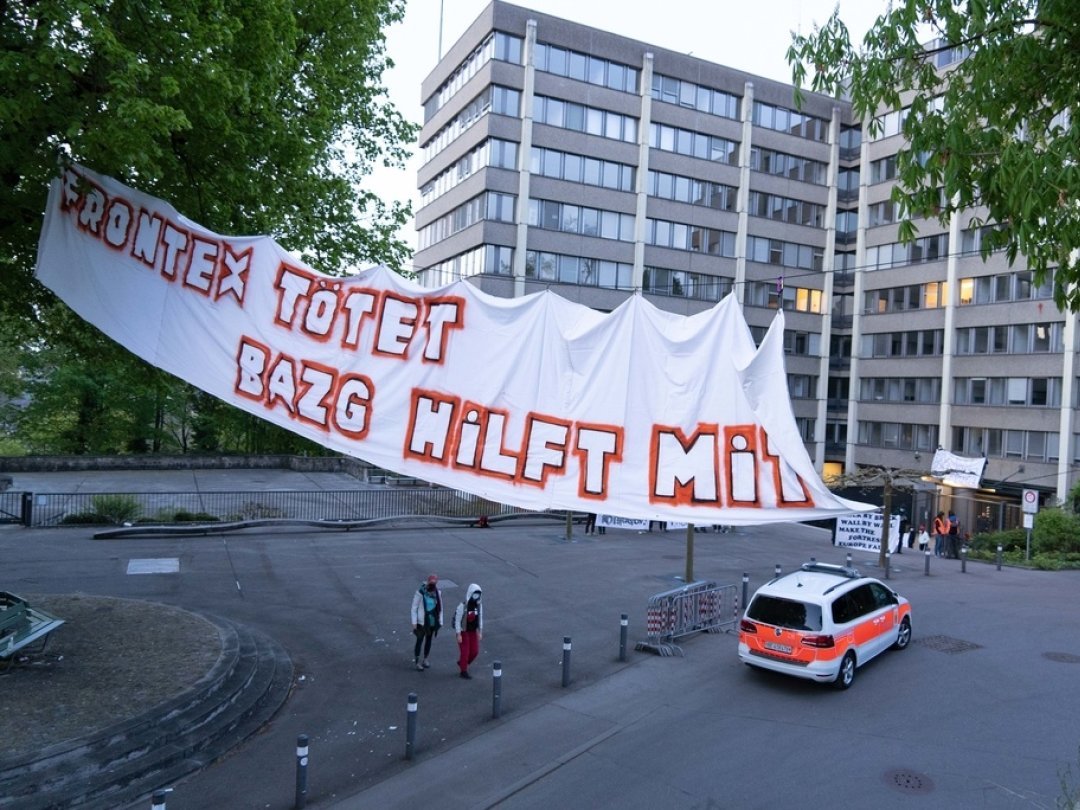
{"type": "Point", "coordinates": [1062, 658]}
{"type": "Point", "coordinates": [946, 644]}
{"type": "Point", "coordinates": [908, 781]}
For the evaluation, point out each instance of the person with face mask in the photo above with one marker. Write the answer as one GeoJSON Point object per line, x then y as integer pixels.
{"type": "Point", "coordinates": [427, 618]}
{"type": "Point", "coordinates": [469, 626]}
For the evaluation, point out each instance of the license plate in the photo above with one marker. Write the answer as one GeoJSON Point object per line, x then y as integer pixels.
{"type": "Point", "coordinates": [772, 645]}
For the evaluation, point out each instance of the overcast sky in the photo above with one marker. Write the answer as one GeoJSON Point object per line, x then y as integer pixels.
{"type": "Point", "coordinates": [751, 36]}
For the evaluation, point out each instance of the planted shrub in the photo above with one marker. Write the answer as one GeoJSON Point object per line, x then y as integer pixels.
{"type": "Point", "coordinates": [1056, 532]}
{"type": "Point", "coordinates": [116, 508]}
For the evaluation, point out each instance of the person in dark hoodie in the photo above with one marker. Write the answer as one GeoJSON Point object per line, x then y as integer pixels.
{"type": "Point", "coordinates": [427, 618]}
{"type": "Point", "coordinates": [469, 627]}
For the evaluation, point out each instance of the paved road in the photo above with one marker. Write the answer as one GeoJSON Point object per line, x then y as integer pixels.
{"type": "Point", "coordinates": [979, 712]}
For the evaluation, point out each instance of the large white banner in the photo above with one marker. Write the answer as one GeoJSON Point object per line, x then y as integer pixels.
{"type": "Point", "coordinates": [863, 532]}
{"type": "Point", "coordinates": [957, 471]}
{"type": "Point", "coordinates": [535, 401]}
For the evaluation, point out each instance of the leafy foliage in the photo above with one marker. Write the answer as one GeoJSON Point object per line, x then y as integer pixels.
{"type": "Point", "coordinates": [990, 135]}
{"type": "Point", "coordinates": [250, 116]}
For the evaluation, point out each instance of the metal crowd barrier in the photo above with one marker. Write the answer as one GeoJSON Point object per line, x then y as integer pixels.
{"type": "Point", "coordinates": [697, 607]}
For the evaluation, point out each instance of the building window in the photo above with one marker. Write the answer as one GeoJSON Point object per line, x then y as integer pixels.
{"type": "Point", "coordinates": [580, 169]}
{"type": "Point", "coordinates": [559, 268]}
{"type": "Point", "coordinates": [898, 254]}
{"type": "Point", "coordinates": [782, 119]}
{"type": "Point", "coordinates": [787, 254]}
{"type": "Point", "coordinates": [688, 94]}
{"type": "Point", "coordinates": [569, 218]}
{"type": "Point", "coordinates": [798, 299]}
{"type": "Point", "coordinates": [786, 209]}
{"type": "Point", "coordinates": [570, 115]}
{"type": "Point", "coordinates": [682, 283]}
{"type": "Point", "coordinates": [793, 167]}
{"type": "Point", "coordinates": [695, 192]}
{"type": "Point", "coordinates": [680, 236]}
{"type": "Point", "coordinates": [586, 68]}
{"type": "Point", "coordinates": [493, 259]}
{"type": "Point", "coordinates": [498, 45]}
{"type": "Point", "coordinates": [693, 144]}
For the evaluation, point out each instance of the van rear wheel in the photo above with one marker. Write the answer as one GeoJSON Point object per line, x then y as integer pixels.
{"type": "Point", "coordinates": [846, 676]}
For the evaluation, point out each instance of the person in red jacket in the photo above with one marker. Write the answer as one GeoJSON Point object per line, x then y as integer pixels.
{"type": "Point", "coordinates": [941, 529]}
{"type": "Point", "coordinates": [469, 627]}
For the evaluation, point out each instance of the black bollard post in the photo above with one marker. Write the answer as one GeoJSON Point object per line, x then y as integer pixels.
{"type": "Point", "coordinates": [496, 689]}
{"type": "Point", "coordinates": [813, 560]}
{"type": "Point", "coordinates": [624, 623]}
{"type": "Point", "coordinates": [745, 589]}
{"type": "Point", "coordinates": [157, 801]}
{"type": "Point", "coordinates": [301, 770]}
{"type": "Point", "coordinates": [927, 555]}
{"type": "Point", "coordinates": [999, 557]}
{"type": "Point", "coordinates": [888, 559]}
{"type": "Point", "coordinates": [566, 661]}
{"type": "Point", "coordinates": [963, 559]}
{"type": "Point", "coordinates": [848, 563]}
{"type": "Point", "coordinates": [777, 570]}
{"type": "Point", "coordinates": [410, 726]}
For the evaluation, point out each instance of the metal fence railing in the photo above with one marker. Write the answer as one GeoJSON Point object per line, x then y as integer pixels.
{"type": "Point", "coordinates": [11, 507]}
{"type": "Point", "coordinates": [135, 508]}
{"type": "Point", "coordinates": [696, 607]}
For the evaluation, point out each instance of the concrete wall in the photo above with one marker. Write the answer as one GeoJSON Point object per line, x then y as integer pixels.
{"type": "Point", "coordinates": [27, 464]}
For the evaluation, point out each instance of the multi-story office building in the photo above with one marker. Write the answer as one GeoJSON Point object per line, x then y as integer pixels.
{"type": "Point", "coordinates": [564, 157]}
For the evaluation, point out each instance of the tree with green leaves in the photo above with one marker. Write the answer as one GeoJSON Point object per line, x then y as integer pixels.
{"type": "Point", "coordinates": [990, 135]}
{"type": "Point", "coordinates": [891, 480]}
{"type": "Point", "coordinates": [249, 116]}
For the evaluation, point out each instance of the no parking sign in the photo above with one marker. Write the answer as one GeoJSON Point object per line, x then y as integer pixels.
{"type": "Point", "coordinates": [1030, 501]}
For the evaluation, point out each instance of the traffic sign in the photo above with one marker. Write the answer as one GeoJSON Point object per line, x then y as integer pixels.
{"type": "Point", "coordinates": [1030, 501]}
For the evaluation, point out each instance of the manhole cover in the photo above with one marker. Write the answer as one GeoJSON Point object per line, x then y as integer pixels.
{"type": "Point", "coordinates": [946, 644]}
{"type": "Point", "coordinates": [908, 781]}
{"type": "Point", "coordinates": [1062, 658]}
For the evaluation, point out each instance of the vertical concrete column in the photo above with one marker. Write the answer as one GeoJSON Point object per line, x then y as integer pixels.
{"type": "Point", "coordinates": [949, 338]}
{"type": "Point", "coordinates": [825, 350]}
{"type": "Point", "coordinates": [1067, 422]}
{"type": "Point", "coordinates": [742, 203]}
{"type": "Point", "coordinates": [642, 185]}
{"type": "Point", "coordinates": [525, 156]}
{"type": "Point", "coordinates": [856, 307]}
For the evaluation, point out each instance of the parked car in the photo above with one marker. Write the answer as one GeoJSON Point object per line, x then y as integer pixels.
{"type": "Point", "coordinates": [822, 622]}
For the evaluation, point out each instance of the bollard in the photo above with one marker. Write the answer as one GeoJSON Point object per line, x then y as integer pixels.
{"type": "Point", "coordinates": [27, 509]}
{"type": "Point", "coordinates": [963, 559]}
{"type": "Point", "coordinates": [999, 557]}
{"type": "Point", "coordinates": [745, 587]}
{"type": "Point", "coordinates": [624, 624]}
{"type": "Point", "coordinates": [157, 801]}
{"type": "Point", "coordinates": [927, 555]}
{"type": "Point", "coordinates": [777, 569]}
{"type": "Point", "coordinates": [813, 560]}
{"type": "Point", "coordinates": [849, 559]}
{"type": "Point", "coordinates": [301, 770]}
{"type": "Point", "coordinates": [496, 689]}
{"type": "Point", "coordinates": [888, 559]}
{"type": "Point", "coordinates": [410, 726]}
{"type": "Point", "coordinates": [566, 661]}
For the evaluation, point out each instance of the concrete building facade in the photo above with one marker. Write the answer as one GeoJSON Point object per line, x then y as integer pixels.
{"type": "Point", "coordinates": [559, 156]}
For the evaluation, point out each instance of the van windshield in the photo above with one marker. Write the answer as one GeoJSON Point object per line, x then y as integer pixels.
{"type": "Point", "coordinates": [785, 613]}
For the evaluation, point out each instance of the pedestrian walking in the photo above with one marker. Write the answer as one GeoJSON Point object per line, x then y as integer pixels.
{"type": "Point", "coordinates": [427, 618]}
{"type": "Point", "coordinates": [590, 523]}
{"type": "Point", "coordinates": [469, 627]}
